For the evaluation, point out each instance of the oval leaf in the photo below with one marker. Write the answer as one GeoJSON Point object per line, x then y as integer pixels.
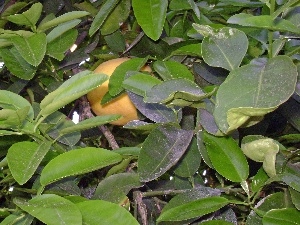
{"type": "Point", "coordinates": [254, 90]}
{"type": "Point", "coordinates": [52, 210]}
{"type": "Point", "coordinates": [95, 212]}
{"type": "Point", "coordinates": [170, 144]}
{"type": "Point", "coordinates": [287, 216]}
{"type": "Point", "coordinates": [226, 157]}
{"type": "Point", "coordinates": [151, 16]}
{"type": "Point", "coordinates": [24, 157]}
{"type": "Point", "coordinates": [219, 50]}
{"type": "Point", "coordinates": [78, 161]}
{"type": "Point", "coordinates": [193, 209]}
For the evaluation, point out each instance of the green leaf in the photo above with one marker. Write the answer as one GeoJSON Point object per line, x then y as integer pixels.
{"type": "Point", "coordinates": [216, 222]}
{"type": "Point", "coordinates": [170, 144]}
{"type": "Point", "coordinates": [169, 91]}
{"type": "Point", "coordinates": [190, 49]}
{"type": "Point", "coordinates": [32, 48]}
{"type": "Point", "coordinates": [78, 161]}
{"type": "Point", "coordinates": [24, 158]}
{"type": "Point", "coordinates": [253, 90]}
{"type": "Point", "coordinates": [139, 83]}
{"type": "Point", "coordinates": [118, 15]}
{"type": "Point", "coordinates": [190, 162]}
{"type": "Point", "coordinates": [16, 64]}
{"type": "Point", "coordinates": [52, 210]}
{"type": "Point", "coordinates": [75, 87]}
{"type": "Point", "coordinates": [61, 19]}
{"type": "Point", "coordinates": [29, 17]}
{"type": "Point", "coordinates": [18, 218]}
{"type": "Point", "coordinates": [95, 212]}
{"type": "Point", "coordinates": [264, 21]}
{"type": "Point", "coordinates": [89, 123]}
{"type": "Point", "coordinates": [193, 209]}
{"type": "Point", "coordinates": [157, 113]}
{"type": "Point", "coordinates": [13, 9]}
{"type": "Point", "coordinates": [103, 13]}
{"type": "Point", "coordinates": [115, 188]}
{"type": "Point", "coordinates": [219, 49]}
{"type": "Point", "coordinates": [118, 76]}
{"type": "Point", "coordinates": [262, 150]}
{"type": "Point", "coordinates": [59, 46]}
{"type": "Point", "coordinates": [58, 31]}
{"type": "Point", "coordinates": [172, 70]}
{"type": "Point", "coordinates": [10, 100]}
{"type": "Point", "coordinates": [295, 195]}
{"type": "Point", "coordinates": [151, 16]}
{"type": "Point", "coordinates": [226, 157]}
{"type": "Point", "coordinates": [287, 216]}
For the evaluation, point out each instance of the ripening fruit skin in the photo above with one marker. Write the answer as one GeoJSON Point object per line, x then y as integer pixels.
{"type": "Point", "coordinates": [121, 105]}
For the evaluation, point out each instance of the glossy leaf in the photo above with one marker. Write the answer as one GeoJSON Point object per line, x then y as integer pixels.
{"type": "Point", "coordinates": [190, 162]}
{"type": "Point", "coordinates": [118, 76]}
{"type": "Point", "coordinates": [172, 70]}
{"type": "Point", "coordinates": [89, 123]}
{"type": "Point", "coordinates": [295, 195]}
{"type": "Point", "coordinates": [115, 188]}
{"type": "Point", "coordinates": [253, 90]}
{"type": "Point", "coordinates": [264, 21]}
{"type": "Point", "coordinates": [32, 49]}
{"type": "Point", "coordinates": [139, 83]}
{"type": "Point", "coordinates": [118, 15]}
{"type": "Point", "coordinates": [78, 161]}
{"type": "Point", "coordinates": [52, 210]}
{"type": "Point", "coordinates": [61, 29]}
{"type": "Point", "coordinates": [10, 100]}
{"type": "Point", "coordinates": [226, 157]}
{"type": "Point", "coordinates": [190, 49]}
{"type": "Point", "coordinates": [216, 222]}
{"type": "Point", "coordinates": [61, 19]}
{"type": "Point", "coordinates": [277, 200]}
{"type": "Point", "coordinates": [24, 158]}
{"type": "Point", "coordinates": [158, 113]}
{"type": "Point", "coordinates": [219, 49]}
{"type": "Point", "coordinates": [29, 17]}
{"type": "Point", "coordinates": [170, 90]}
{"type": "Point", "coordinates": [59, 46]}
{"type": "Point", "coordinates": [193, 209]}
{"type": "Point", "coordinates": [95, 212]}
{"type": "Point", "coordinates": [103, 13]}
{"type": "Point", "coordinates": [287, 216]}
{"type": "Point", "coordinates": [202, 149]}
{"type": "Point", "coordinates": [73, 88]}
{"type": "Point", "coordinates": [18, 218]}
{"type": "Point", "coordinates": [16, 64]}
{"type": "Point", "coordinates": [151, 16]}
{"type": "Point", "coordinates": [190, 195]}
{"type": "Point", "coordinates": [170, 144]}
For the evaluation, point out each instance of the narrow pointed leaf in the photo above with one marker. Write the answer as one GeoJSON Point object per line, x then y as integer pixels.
{"type": "Point", "coordinates": [62, 19]}
{"type": "Point", "coordinates": [170, 144]}
{"type": "Point", "coordinates": [264, 21]}
{"type": "Point", "coordinates": [78, 161]}
{"type": "Point", "coordinates": [95, 212]}
{"type": "Point", "coordinates": [32, 48]}
{"type": "Point", "coordinates": [24, 158]}
{"type": "Point", "coordinates": [29, 17]}
{"type": "Point", "coordinates": [103, 13]}
{"type": "Point", "coordinates": [151, 15]}
{"type": "Point", "coordinates": [89, 123]}
{"type": "Point", "coordinates": [73, 88]}
{"type": "Point", "coordinates": [226, 157]}
{"type": "Point", "coordinates": [52, 210]}
{"type": "Point", "coordinates": [253, 90]}
{"type": "Point", "coordinates": [193, 209]}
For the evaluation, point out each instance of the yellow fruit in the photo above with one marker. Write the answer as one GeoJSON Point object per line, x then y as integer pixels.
{"type": "Point", "coordinates": [121, 105]}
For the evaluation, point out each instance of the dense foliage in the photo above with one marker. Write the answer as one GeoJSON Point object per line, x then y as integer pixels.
{"type": "Point", "coordinates": [218, 137]}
